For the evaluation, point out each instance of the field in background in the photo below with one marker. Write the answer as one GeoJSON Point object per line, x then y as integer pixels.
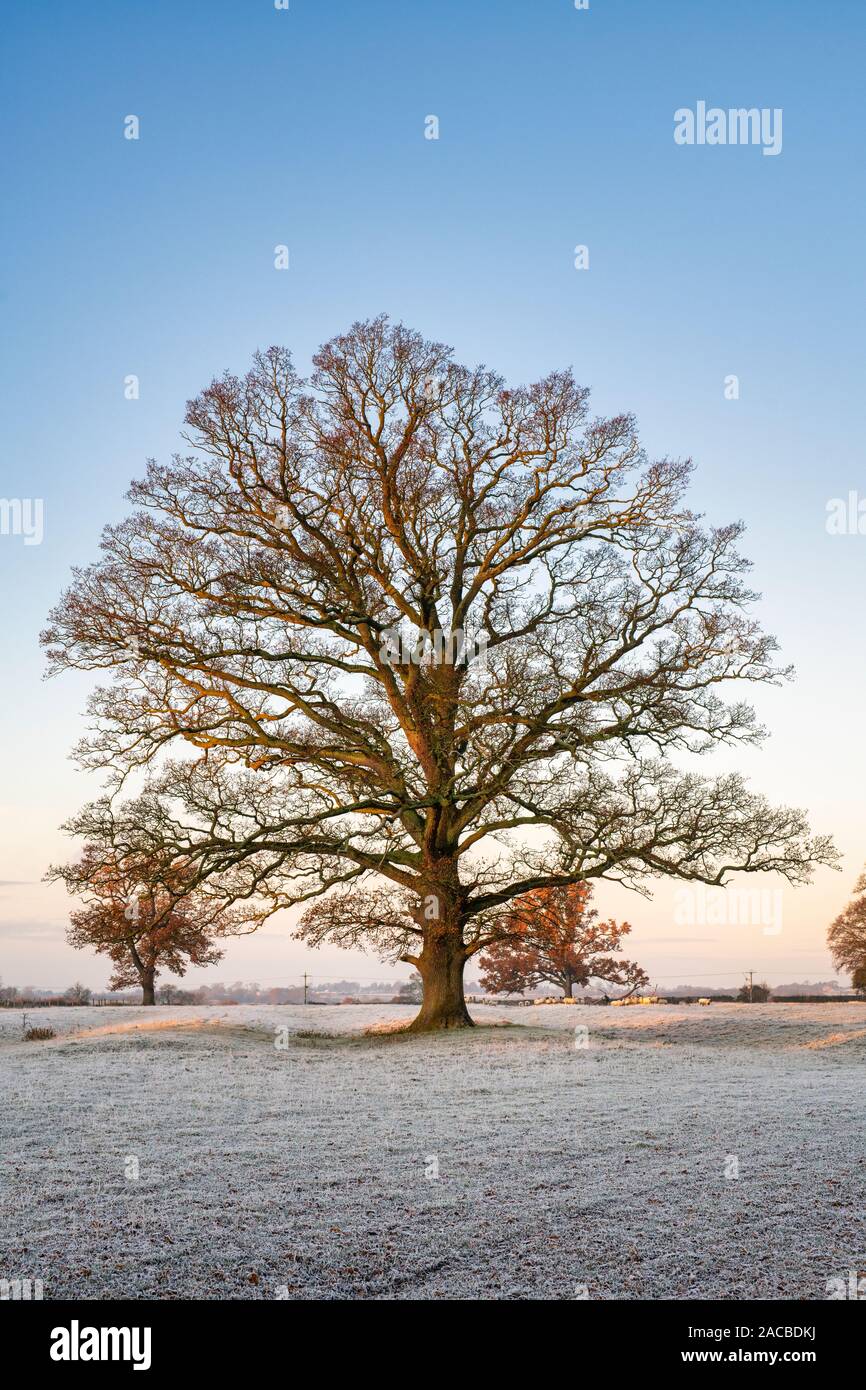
{"type": "Point", "coordinates": [271, 1152]}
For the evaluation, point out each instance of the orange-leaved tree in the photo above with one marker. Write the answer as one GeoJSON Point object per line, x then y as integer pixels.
{"type": "Point", "coordinates": [145, 912]}
{"type": "Point", "coordinates": [555, 937]}
{"type": "Point", "coordinates": [846, 936]}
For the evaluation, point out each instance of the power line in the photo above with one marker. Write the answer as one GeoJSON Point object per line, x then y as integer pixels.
{"type": "Point", "coordinates": [720, 974]}
{"type": "Point", "coordinates": [307, 978]}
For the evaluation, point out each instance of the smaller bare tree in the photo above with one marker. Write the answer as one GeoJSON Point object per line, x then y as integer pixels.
{"type": "Point", "coordinates": [754, 993]}
{"type": "Point", "coordinates": [78, 993]}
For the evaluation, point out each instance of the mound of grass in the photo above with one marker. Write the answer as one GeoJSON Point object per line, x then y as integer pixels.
{"type": "Point", "coordinates": [39, 1034]}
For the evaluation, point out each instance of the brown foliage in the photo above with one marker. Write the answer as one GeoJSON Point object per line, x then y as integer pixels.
{"type": "Point", "coordinates": [555, 937]}
{"type": "Point", "coordinates": [846, 937]}
{"type": "Point", "coordinates": [146, 913]}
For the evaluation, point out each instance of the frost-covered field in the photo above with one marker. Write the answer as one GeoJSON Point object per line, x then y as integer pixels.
{"type": "Point", "coordinates": [183, 1153]}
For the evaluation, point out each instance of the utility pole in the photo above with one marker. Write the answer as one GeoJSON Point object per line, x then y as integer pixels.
{"type": "Point", "coordinates": [751, 973]}
{"type": "Point", "coordinates": [306, 977]}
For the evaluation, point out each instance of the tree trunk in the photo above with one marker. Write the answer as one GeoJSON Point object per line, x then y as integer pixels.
{"type": "Point", "coordinates": [440, 966]}
{"type": "Point", "coordinates": [148, 995]}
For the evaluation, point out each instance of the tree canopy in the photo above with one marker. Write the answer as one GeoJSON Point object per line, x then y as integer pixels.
{"type": "Point", "coordinates": [146, 911]}
{"type": "Point", "coordinates": [430, 643]}
{"type": "Point", "coordinates": [555, 937]}
{"type": "Point", "coordinates": [846, 936]}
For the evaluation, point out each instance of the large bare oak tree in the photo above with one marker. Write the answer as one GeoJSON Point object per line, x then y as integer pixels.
{"type": "Point", "coordinates": [433, 643]}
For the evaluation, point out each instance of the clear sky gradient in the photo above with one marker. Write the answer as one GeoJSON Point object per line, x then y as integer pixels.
{"type": "Point", "coordinates": [305, 127]}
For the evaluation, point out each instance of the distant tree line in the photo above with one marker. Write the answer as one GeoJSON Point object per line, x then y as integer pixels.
{"type": "Point", "coordinates": [10, 995]}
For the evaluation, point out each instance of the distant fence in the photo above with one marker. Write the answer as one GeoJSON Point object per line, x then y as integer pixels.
{"type": "Point", "coordinates": [97, 1002]}
{"type": "Point", "coordinates": [774, 999]}
{"type": "Point", "coordinates": [106, 1002]}
{"type": "Point", "coordinates": [693, 999]}
{"type": "Point", "coordinates": [818, 999]}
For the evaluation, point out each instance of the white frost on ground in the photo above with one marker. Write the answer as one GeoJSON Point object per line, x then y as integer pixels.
{"type": "Point", "coordinates": [307, 1170]}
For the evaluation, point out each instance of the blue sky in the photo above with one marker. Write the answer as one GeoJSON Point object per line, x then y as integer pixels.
{"type": "Point", "coordinates": [305, 127]}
